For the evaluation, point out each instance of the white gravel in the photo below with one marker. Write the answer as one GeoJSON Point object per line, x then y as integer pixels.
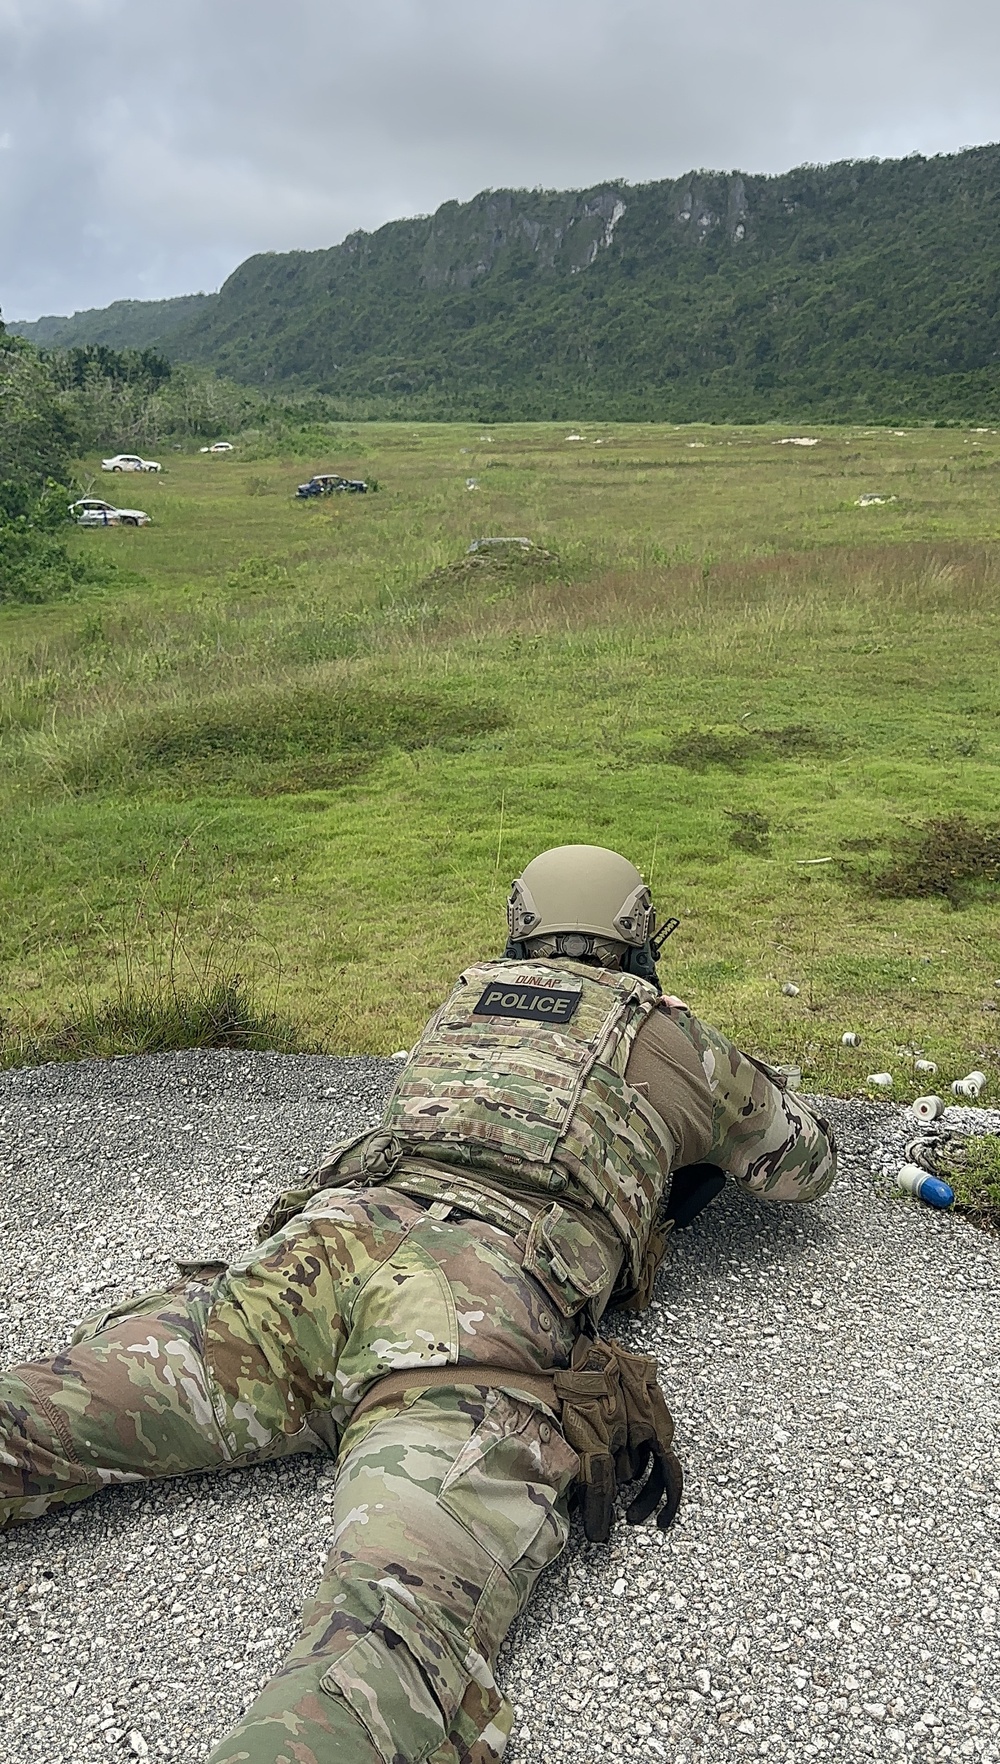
{"type": "Point", "coordinates": [829, 1590]}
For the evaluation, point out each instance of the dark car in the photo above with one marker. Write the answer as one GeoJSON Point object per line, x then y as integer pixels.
{"type": "Point", "coordinates": [324, 483]}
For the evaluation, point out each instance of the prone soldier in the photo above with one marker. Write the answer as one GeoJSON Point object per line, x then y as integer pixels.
{"type": "Point", "coordinates": [427, 1310]}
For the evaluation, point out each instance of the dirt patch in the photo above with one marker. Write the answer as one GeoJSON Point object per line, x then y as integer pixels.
{"type": "Point", "coordinates": [737, 750]}
{"type": "Point", "coordinates": [507, 563]}
{"type": "Point", "coordinates": [950, 857]}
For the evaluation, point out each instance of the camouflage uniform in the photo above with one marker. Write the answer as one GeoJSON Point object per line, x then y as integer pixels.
{"type": "Point", "coordinates": [512, 1193]}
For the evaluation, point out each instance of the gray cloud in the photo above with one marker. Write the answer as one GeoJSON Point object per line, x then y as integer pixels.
{"type": "Point", "coordinates": [144, 150]}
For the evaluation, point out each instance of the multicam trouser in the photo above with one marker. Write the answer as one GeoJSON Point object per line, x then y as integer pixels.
{"type": "Point", "coordinates": [445, 1511]}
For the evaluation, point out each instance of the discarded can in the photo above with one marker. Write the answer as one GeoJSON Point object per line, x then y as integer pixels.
{"type": "Point", "coordinates": [924, 1066]}
{"type": "Point", "coordinates": [849, 1039]}
{"type": "Point", "coordinates": [973, 1084]}
{"type": "Point", "coordinates": [879, 1080]}
{"type": "Point", "coordinates": [789, 990]}
{"type": "Point", "coordinates": [927, 1108]}
{"type": "Point", "coordinates": [926, 1188]}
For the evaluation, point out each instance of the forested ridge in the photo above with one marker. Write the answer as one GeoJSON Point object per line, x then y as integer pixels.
{"type": "Point", "coordinates": [859, 290]}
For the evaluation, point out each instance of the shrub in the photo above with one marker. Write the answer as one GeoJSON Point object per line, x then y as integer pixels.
{"type": "Point", "coordinates": [949, 857]}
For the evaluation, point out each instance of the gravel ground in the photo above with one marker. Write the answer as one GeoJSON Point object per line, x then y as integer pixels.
{"type": "Point", "coordinates": [829, 1590]}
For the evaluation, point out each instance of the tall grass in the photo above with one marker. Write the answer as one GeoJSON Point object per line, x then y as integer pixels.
{"type": "Point", "coordinates": [161, 993]}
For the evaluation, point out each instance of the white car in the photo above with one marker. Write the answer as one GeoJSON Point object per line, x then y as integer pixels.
{"type": "Point", "coordinates": [93, 511]}
{"type": "Point", "coordinates": [218, 447]}
{"type": "Point", "coordinates": [129, 462]}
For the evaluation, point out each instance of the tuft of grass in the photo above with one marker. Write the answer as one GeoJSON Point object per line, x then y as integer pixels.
{"type": "Point", "coordinates": [949, 857]}
{"type": "Point", "coordinates": [976, 1180]}
{"type": "Point", "coordinates": [792, 740]}
{"type": "Point", "coordinates": [751, 831]}
{"type": "Point", "coordinates": [278, 743]}
{"type": "Point", "coordinates": [736, 751]}
{"type": "Point", "coordinates": [698, 749]}
{"type": "Point", "coordinates": [143, 1019]}
{"type": "Point", "coordinates": [168, 992]}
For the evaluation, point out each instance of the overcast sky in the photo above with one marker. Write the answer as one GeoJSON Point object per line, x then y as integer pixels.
{"type": "Point", "coordinates": [146, 149]}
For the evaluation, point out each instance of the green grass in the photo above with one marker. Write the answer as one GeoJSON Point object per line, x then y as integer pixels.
{"type": "Point", "coordinates": [324, 727]}
{"type": "Point", "coordinates": [974, 1173]}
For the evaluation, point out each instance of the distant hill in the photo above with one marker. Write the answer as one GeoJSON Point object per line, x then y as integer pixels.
{"type": "Point", "coordinates": [126, 324]}
{"type": "Point", "coordinates": [865, 290]}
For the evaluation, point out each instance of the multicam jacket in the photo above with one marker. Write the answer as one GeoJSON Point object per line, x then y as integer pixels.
{"type": "Point", "coordinates": [521, 1075]}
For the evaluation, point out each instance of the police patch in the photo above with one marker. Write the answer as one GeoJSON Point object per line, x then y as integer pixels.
{"type": "Point", "coordinates": [540, 1004]}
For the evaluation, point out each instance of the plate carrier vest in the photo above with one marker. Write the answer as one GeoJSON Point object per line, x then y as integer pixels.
{"type": "Point", "coordinates": [541, 1101]}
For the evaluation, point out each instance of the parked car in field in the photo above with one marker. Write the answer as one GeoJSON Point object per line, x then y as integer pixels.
{"type": "Point", "coordinates": [130, 462]}
{"type": "Point", "coordinates": [324, 483]}
{"type": "Point", "coordinates": [93, 511]}
{"type": "Point", "coordinates": [218, 447]}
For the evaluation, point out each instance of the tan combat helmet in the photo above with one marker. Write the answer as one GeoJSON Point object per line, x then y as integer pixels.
{"type": "Point", "coordinates": [576, 893]}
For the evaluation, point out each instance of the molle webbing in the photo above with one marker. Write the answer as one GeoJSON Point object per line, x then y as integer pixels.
{"type": "Point", "coordinates": [520, 1077]}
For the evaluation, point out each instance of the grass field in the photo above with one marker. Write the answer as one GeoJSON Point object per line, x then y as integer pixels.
{"type": "Point", "coordinates": [305, 752]}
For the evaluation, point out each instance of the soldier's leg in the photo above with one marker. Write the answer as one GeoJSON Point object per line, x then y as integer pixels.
{"type": "Point", "coordinates": [127, 1400]}
{"type": "Point", "coordinates": [213, 1372]}
{"type": "Point", "coordinates": [177, 1381]}
{"type": "Point", "coordinates": [445, 1514]}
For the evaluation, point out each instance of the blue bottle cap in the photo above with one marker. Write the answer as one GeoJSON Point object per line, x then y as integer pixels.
{"type": "Point", "coordinates": [935, 1192]}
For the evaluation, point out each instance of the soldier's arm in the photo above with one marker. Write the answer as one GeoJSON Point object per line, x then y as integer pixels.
{"type": "Point", "coordinates": [761, 1133]}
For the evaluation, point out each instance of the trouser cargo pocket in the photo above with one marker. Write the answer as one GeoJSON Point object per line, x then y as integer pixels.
{"type": "Point", "coordinates": [403, 1677]}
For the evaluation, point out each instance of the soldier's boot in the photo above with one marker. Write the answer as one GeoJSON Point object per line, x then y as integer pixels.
{"type": "Point", "coordinates": [444, 1515]}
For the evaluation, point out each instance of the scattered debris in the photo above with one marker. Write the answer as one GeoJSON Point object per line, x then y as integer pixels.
{"type": "Point", "coordinates": [402, 1053]}
{"type": "Point", "coordinates": [472, 484]}
{"type": "Point", "coordinates": [326, 483]}
{"type": "Point", "coordinates": [872, 501]}
{"type": "Point", "coordinates": [879, 1080]}
{"type": "Point", "coordinates": [789, 990]}
{"type": "Point", "coordinates": [798, 441]}
{"type": "Point", "coordinates": [697, 443]}
{"type": "Point", "coordinates": [931, 1189]}
{"type": "Point", "coordinates": [792, 1076]}
{"type": "Point", "coordinates": [850, 1039]}
{"type": "Point", "coordinates": [574, 437]}
{"type": "Point", "coordinates": [927, 1108]}
{"type": "Point", "coordinates": [925, 1066]}
{"type": "Point", "coordinates": [807, 863]}
{"type": "Point", "coordinates": [973, 1084]}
